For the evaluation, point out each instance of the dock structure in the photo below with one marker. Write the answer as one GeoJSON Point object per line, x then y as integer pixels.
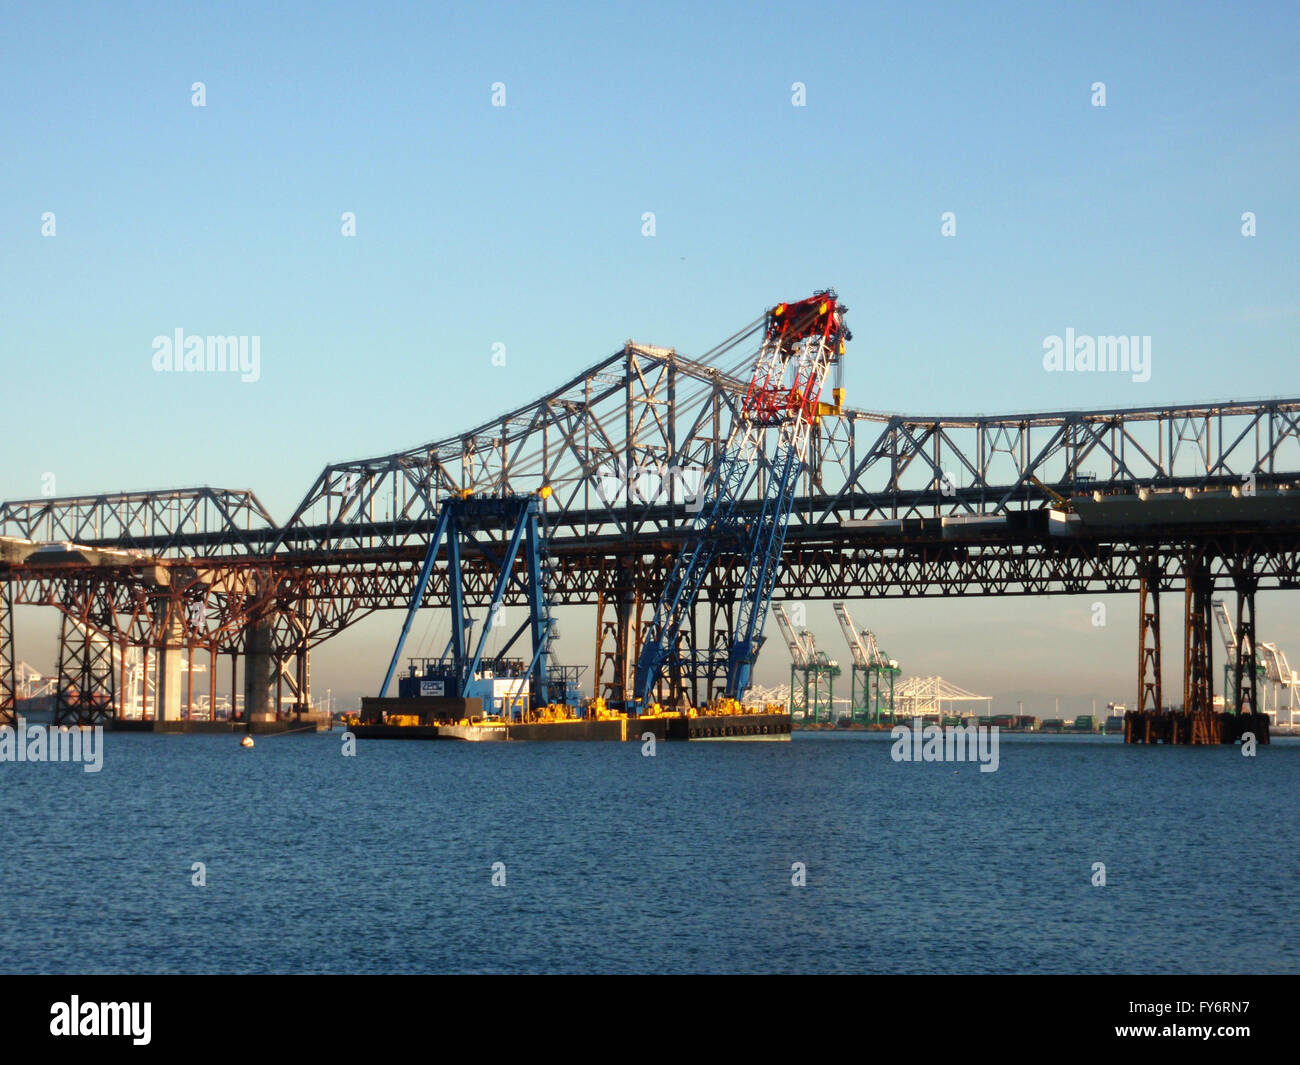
{"type": "Point", "coordinates": [1198, 499]}
{"type": "Point", "coordinates": [1186, 727]}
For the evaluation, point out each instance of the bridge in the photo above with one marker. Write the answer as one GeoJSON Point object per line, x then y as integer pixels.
{"type": "Point", "coordinates": [1199, 498]}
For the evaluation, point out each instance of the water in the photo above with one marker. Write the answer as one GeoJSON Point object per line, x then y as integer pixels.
{"type": "Point", "coordinates": [678, 863]}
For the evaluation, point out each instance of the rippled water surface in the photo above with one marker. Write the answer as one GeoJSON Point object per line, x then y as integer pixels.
{"type": "Point", "coordinates": [616, 862]}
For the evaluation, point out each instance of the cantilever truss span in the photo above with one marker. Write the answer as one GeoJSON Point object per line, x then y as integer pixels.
{"type": "Point", "coordinates": [889, 504]}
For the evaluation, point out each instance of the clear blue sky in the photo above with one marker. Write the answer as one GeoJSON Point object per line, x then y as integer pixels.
{"type": "Point", "coordinates": [522, 225]}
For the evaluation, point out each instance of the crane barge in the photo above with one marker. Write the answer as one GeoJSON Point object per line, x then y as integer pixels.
{"type": "Point", "coordinates": [454, 698]}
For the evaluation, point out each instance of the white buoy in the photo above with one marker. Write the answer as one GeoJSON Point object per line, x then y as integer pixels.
{"type": "Point", "coordinates": [247, 741]}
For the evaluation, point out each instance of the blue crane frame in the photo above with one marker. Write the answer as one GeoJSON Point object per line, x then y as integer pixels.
{"type": "Point", "coordinates": [456, 519]}
{"type": "Point", "coordinates": [770, 401]}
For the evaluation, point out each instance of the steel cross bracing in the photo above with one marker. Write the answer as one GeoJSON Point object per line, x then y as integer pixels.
{"type": "Point", "coordinates": [624, 446]}
{"type": "Point", "coordinates": [181, 521]}
{"type": "Point", "coordinates": [619, 486]}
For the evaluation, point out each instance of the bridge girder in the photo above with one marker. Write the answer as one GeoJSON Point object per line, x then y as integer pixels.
{"type": "Point", "coordinates": [620, 442]}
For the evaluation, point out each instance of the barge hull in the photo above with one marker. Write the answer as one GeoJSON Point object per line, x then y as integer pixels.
{"type": "Point", "coordinates": [731, 727]}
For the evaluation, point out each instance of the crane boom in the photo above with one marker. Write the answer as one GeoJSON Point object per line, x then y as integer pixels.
{"type": "Point", "coordinates": [1284, 670]}
{"type": "Point", "coordinates": [801, 342]}
{"type": "Point", "coordinates": [1225, 628]}
{"type": "Point", "coordinates": [797, 654]}
{"type": "Point", "coordinates": [809, 647]}
{"type": "Point", "coordinates": [856, 647]}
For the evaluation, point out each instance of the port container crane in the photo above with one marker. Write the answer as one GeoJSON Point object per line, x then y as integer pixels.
{"type": "Point", "coordinates": [812, 664]}
{"type": "Point", "coordinates": [802, 341]}
{"type": "Point", "coordinates": [869, 663]}
{"type": "Point", "coordinates": [798, 654]}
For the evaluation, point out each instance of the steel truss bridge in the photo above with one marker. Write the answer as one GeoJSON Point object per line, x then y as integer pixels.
{"type": "Point", "coordinates": [1199, 498]}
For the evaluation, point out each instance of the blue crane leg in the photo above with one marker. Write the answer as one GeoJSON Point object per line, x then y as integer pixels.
{"type": "Point", "coordinates": [417, 598]}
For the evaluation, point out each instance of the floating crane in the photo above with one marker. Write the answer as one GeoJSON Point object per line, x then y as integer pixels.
{"type": "Point", "coordinates": [801, 342]}
{"type": "Point", "coordinates": [870, 664]}
{"type": "Point", "coordinates": [813, 664]}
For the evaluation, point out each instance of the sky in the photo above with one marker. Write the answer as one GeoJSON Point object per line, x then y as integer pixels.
{"type": "Point", "coordinates": [523, 225]}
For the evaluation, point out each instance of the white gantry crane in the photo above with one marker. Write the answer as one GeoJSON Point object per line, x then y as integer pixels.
{"type": "Point", "coordinates": [1225, 628]}
{"type": "Point", "coordinates": [31, 684]}
{"type": "Point", "coordinates": [1229, 636]}
{"type": "Point", "coordinates": [798, 655]}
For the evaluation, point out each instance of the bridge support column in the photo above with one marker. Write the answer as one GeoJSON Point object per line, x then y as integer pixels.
{"type": "Point", "coordinates": [1248, 718]}
{"type": "Point", "coordinates": [1141, 724]}
{"type": "Point", "coordinates": [170, 680]}
{"type": "Point", "coordinates": [618, 628]}
{"type": "Point", "coordinates": [1244, 666]}
{"type": "Point", "coordinates": [1198, 723]}
{"type": "Point", "coordinates": [295, 657]}
{"type": "Point", "coordinates": [8, 672]}
{"type": "Point", "coordinates": [8, 662]}
{"type": "Point", "coordinates": [302, 676]}
{"type": "Point", "coordinates": [87, 681]}
{"type": "Point", "coordinates": [261, 672]}
{"type": "Point", "coordinates": [721, 628]}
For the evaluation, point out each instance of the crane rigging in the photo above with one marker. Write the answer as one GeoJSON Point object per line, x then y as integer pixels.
{"type": "Point", "coordinates": [802, 341]}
